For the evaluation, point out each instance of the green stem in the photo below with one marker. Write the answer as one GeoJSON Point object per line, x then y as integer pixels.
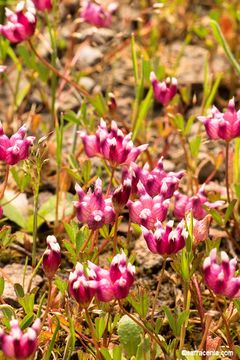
{"type": "Point", "coordinates": [187, 302]}
{"type": "Point", "coordinates": [158, 288]}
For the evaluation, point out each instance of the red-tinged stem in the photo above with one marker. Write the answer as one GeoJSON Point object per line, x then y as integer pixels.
{"type": "Point", "coordinates": [115, 238]}
{"type": "Point", "coordinates": [48, 302]}
{"type": "Point", "coordinates": [4, 185]}
{"type": "Point", "coordinates": [227, 172]}
{"type": "Point", "coordinates": [92, 331]}
{"type": "Point", "coordinates": [158, 288]}
{"type": "Point", "coordinates": [58, 73]}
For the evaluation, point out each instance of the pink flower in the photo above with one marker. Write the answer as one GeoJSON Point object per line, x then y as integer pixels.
{"type": "Point", "coordinates": [147, 210]}
{"type": "Point", "coordinates": [16, 148]}
{"type": "Point", "coordinates": [106, 285]}
{"type": "Point", "coordinates": [21, 24]}
{"type": "Point", "coordinates": [158, 181]}
{"type": "Point", "coordinates": [121, 195]}
{"type": "Point", "coordinates": [96, 15]}
{"type": "Point", "coordinates": [93, 209]}
{"type": "Point", "coordinates": [163, 91]}
{"type": "Point", "coordinates": [201, 229]}
{"type": "Point", "coordinates": [111, 145]}
{"type": "Point", "coordinates": [166, 241]}
{"type": "Point", "coordinates": [80, 286]}
{"type": "Point", "coordinates": [51, 257]}
{"type": "Point", "coordinates": [19, 345]}
{"type": "Point", "coordinates": [3, 68]}
{"type": "Point", "coordinates": [185, 204]}
{"type": "Point", "coordinates": [219, 275]}
{"type": "Point", "coordinates": [43, 5]}
{"type": "Point", "coordinates": [225, 125]}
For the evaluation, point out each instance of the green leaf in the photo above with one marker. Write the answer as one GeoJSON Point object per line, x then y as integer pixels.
{"type": "Point", "coordinates": [217, 32]}
{"type": "Point", "coordinates": [27, 302]}
{"type": "Point", "coordinates": [61, 284]}
{"type": "Point", "coordinates": [53, 340]}
{"type": "Point", "coordinates": [134, 59]}
{"type": "Point", "coordinates": [229, 210]}
{"type": "Point", "coordinates": [19, 290]}
{"type": "Point", "coordinates": [2, 284]}
{"type": "Point", "coordinates": [144, 108]}
{"type": "Point", "coordinates": [216, 216]}
{"type": "Point", "coordinates": [13, 214]}
{"type": "Point", "coordinates": [26, 321]}
{"type": "Point", "coordinates": [130, 335]}
{"type": "Point", "coordinates": [100, 324]}
{"type": "Point", "coordinates": [195, 145]}
{"type": "Point", "coordinates": [72, 117]}
{"type": "Point", "coordinates": [171, 320]}
{"type": "Point", "coordinates": [99, 104]}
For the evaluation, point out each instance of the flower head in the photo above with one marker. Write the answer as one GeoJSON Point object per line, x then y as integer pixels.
{"type": "Point", "coordinates": [96, 15]}
{"type": "Point", "coordinates": [21, 24]}
{"type": "Point", "coordinates": [15, 148]}
{"type": "Point", "coordinates": [81, 287]}
{"type": "Point", "coordinates": [51, 257]}
{"type": "Point", "coordinates": [43, 5]}
{"type": "Point", "coordinates": [106, 285]}
{"type": "Point", "coordinates": [158, 181]}
{"type": "Point", "coordinates": [93, 209]}
{"type": "Point", "coordinates": [19, 345]}
{"type": "Point", "coordinates": [220, 275]}
{"type": "Point", "coordinates": [166, 241]}
{"type": "Point", "coordinates": [147, 210]}
{"type": "Point", "coordinates": [163, 91]}
{"type": "Point", "coordinates": [112, 145]}
{"type": "Point", "coordinates": [225, 126]}
{"type": "Point", "coordinates": [184, 204]}
{"type": "Point", "coordinates": [121, 195]}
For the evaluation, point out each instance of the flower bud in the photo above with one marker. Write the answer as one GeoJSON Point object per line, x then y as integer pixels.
{"type": "Point", "coordinates": [51, 257]}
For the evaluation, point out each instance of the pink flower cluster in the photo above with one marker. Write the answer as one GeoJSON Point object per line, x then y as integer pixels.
{"type": "Point", "coordinates": [96, 15]}
{"type": "Point", "coordinates": [184, 203]}
{"type": "Point", "coordinates": [220, 276]}
{"type": "Point", "coordinates": [105, 285]}
{"type": "Point", "coordinates": [21, 24]}
{"type": "Point", "coordinates": [93, 209]}
{"type": "Point", "coordinates": [157, 181]}
{"type": "Point", "coordinates": [16, 148]}
{"type": "Point", "coordinates": [51, 257]}
{"type": "Point", "coordinates": [147, 210]}
{"type": "Point", "coordinates": [166, 241]}
{"type": "Point", "coordinates": [112, 145]}
{"type": "Point", "coordinates": [163, 91]}
{"type": "Point", "coordinates": [18, 345]}
{"type": "Point", "coordinates": [225, 126]}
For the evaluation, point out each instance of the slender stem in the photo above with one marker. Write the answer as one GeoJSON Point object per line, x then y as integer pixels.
{"type": "Point", "coordinates": [35, 216]}
{"type": "Point", "coordinates": [5, 182]}
{"type": "Point", "coordinates": [227, 172]}
{"type": "Point", "coordinates": [158, 288]}
{"type": "Point", "coordinates": [86, 242]}
{"type": "Point", "coordinates": [115, 238]}
{"type": "Point", "coordinates": [58, 73]}
{"type": "Point", "coordinates": [92, 331]}
{"type": "Point", "coordinates": [187, 302]}
{"type": "Point", "coordinates": [33, 274]}
{"type": "Point", "coordinates": [48, 302]}
{"type": "Point", "coordinates": [111, 181]}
